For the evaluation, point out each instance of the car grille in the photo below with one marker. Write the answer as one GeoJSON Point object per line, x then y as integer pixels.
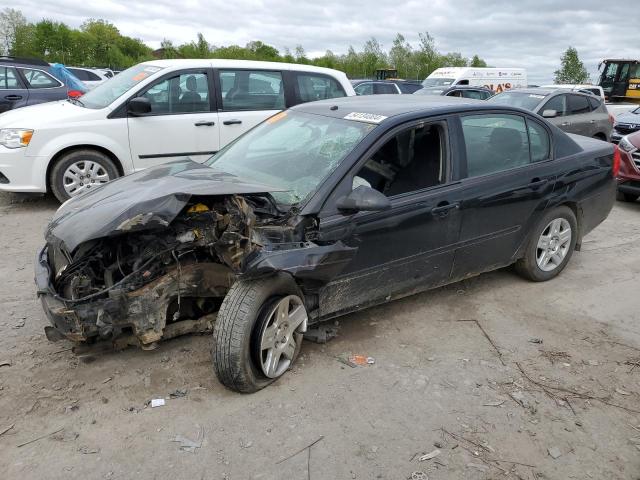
{"type": "Point", "coordinates": [627, 128]}
{"type": "Point", "coordinates": [636, 159]}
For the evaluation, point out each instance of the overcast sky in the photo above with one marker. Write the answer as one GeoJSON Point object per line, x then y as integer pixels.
{"type": "Point", "coordinates": [506, 33]}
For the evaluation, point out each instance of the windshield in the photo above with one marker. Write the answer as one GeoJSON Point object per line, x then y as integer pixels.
{"type": "Point", "coordinates": [528, 101]}
{"type": "Point", "coordinates": [109, 91]}
{"type": "Point", "coordinates": [291, 151]}
{"type": "Point", "coordinates": [438, 82]}
{"type": "Point", "coordinates": [429, 91]}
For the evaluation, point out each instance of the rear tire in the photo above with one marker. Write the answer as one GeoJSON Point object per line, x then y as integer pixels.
{"type": "Point", "coordinates": [102, 170]}
{"type": "Point", "coordinates": [549, 248]}
{"type": "Point", "coordinates": [239, 327]}
{"type": "Point", "coordinates": [626, 197]}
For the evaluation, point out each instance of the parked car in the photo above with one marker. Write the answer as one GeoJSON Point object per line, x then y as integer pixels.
{"type": "Point", "coordinates": [26, 81]}
{"type": "Point", "coordinates": [91, 77]}
{"type": "Point", "coordinates": [151, 113]}
{"type": "Point", "coordinates": [629, 175]}
{"type": "Point", "coordinates": [574, 87]}
{"type": "Point", "coordinates": [495, 79]}
{"type": "Point", "coordinates": [375, 87]}
{"type": "Point", "coordinates": [324, 209]}
{"type": "Point", "coordinates": [464, 91]}
{"type": "Point", "coordinates": [574, 112]}
{"type": "Point", "coordinates": [626, 123]}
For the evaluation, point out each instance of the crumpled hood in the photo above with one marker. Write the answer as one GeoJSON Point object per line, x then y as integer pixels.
{"type": "Point", "coordinates": [628, 117]}
{"type": "Point", "coordinates": [146, 199]}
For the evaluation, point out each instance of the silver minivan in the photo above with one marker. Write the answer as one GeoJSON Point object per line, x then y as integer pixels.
{"type": "Point", "coordinates": [574, 112]}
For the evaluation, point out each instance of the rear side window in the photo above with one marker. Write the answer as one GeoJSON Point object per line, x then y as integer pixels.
{"type": "Point", "coordinates": [364, 89]}
{"type": "Point", "coordinates": [79, 73]}
{"type": "Point", "coordinates": [494, 143]}
{"type": "Point", "coordinates": [385, 89]}
{"type": "Point", "coordinates": [476, 94]}
{"type": "Point", "coordinates": [557, 103]}
{"type": "Point", "coordinates": [8, 78]}
{"type": "Point", "coordinates": [539, 142]}
{"type": "Point", "coordinates": [594, 103]}
{"type": "Point", "coordinates": [578, 104]}
{"type": "Point", "coordinates": [310, 87]}
{"type": "Point", "coordinates": [251, 90]}
{"type": "Point", "coordinates": [39, 79]}
{"type": "Point", "coordinates": [93, 77]}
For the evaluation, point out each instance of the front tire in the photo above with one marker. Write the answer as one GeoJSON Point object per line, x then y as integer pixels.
{"type": "Point", "coordinates": [80, 171]}
{"type": "Point", "coordinates": [258, 332]}
{"type": "Point", "coordinates": [550, 247]}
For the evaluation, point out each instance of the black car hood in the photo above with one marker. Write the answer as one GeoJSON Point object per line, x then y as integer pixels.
{"type": "Point", "coordinates": [628, 117]}
{"type": "Point", "coordinates": [146, 199]}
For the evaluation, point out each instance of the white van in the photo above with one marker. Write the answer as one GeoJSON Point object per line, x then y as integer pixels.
{"type": "Point", "coordinates": [496, 79]}
{"type": "Point", "coordinates": [152, 113]}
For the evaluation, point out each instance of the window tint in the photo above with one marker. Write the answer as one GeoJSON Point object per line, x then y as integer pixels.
{"type": "Point", "coordinates": [539, 141]}
{"type": "Point", "coordinates": [310, 87]}
{"type": "Point", "coordinates": [39, 79]}
{"type": "Point", "coordinates": [494, 143]}
{"type": "Point", "coordinates": [557, 103]}
{"type": "Point", "coordinates": [364, 89]}
{"type": "Point", "coordinates": [476, 94]}
{"type": "Point", "coordinates": [8, 78]}
{"type": "Point", "coordinates": [385, 88]}
{"type": "Point", "coordinates": [184, 93]}
{"type": "Point", "coordinates": [578, 104]}
{"type": "Point", "coordinates": [409, 87]}
{"type": "Point", "coordinates": [92, 77]}
{"type": "Point", "coordinates": [594, 103]}
{"type": "Point", "coordinates": [79, 73]}
{"type": "Point", "coordinates": [251, 90]}
{"type": "Point", "coordinates": [410, 161]}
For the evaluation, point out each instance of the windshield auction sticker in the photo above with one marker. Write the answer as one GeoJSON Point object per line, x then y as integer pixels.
{"type": "Point", "coordinates": [365, 117]}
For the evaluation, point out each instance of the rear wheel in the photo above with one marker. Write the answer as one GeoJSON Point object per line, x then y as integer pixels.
{"type": "Point", "coordinates": [626, 197]}
{"type": "Point", "coordinates": [258, 333]}
{"type": "Point", "coordinates": [80, 171]}
{"type": "Point", "coordinates": [550, 247]}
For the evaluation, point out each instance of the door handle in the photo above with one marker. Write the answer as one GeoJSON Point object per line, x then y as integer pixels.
{"type": "Point", "coordinates": [442, 210]}
{"type": "Point", "coordinates": [592, 121]}
{"type": "Point", "coordinates": [204, 124]}
{"type": "Point", "coordinates": [565, 124]}
{"type": "Point", "coordinates": [536, 183]}
{"type": "Point", "coordinates": [233, 121]}
{"type": "Point", "coordinates": [13, 97]}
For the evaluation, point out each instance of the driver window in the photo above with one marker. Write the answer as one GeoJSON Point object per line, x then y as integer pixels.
{"type": "Point", "coordinates": [410, 161]}
{"type": "Point", "coordinates": [185, 93]}
{"type": "Point", "coordinates": [557, 103]}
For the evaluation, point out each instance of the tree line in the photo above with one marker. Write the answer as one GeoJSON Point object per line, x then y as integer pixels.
{"type": "Point", "coordinates": [99, 43]}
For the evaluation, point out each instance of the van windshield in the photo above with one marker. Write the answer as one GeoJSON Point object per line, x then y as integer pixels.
{"type": "Point", "coordinates": [438, 82]}
{"type": "Point", "coordinates": [109, 91]}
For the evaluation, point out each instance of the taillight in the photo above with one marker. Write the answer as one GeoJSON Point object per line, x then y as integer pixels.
{"type": "Point", "coordinates": [74, 93]}
{"type": "Point", "coordinates": [616, 161]}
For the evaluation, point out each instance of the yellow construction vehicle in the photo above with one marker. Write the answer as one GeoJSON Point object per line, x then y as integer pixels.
{"type": "Point", "coordinates": [620, 80]}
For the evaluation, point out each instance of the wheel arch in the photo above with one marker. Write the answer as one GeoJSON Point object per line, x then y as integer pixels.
{"type": "Point", "coordinates": [72, 148]}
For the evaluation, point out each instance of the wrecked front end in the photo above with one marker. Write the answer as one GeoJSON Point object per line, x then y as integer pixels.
{"type": "Point", "coordinates": [143, 285]}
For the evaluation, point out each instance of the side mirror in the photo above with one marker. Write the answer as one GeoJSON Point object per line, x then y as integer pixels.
{"type": "Point", "coordinates": [363, 199]}
{"type": "Point", "coordinates": [549, 114]}
{"type": "Point", "coordinates": [139, 106]}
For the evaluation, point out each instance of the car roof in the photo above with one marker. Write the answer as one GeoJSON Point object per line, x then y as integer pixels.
{"type": "Point", "coordinates": [30, 62]}
{"type": "Point", "coordinates": [385, 105]}
{"type": "Point", "coordinates": [227, 63]}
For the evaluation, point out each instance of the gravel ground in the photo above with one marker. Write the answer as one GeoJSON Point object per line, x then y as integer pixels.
{"type": "Point", "coordinates": [552, 391]}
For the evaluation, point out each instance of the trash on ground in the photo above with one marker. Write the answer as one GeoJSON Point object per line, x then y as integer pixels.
{"type": "Point", "coordinates": [346, 361]}
{"type": "Point", "coordinates": [188, 445]}
{"type": "Point", "coordinates": [361, 360]}
{"type": "Point", "coordinates": [536, 340]}
{"type": "Point", "coordinates": [493, 404]}
{"type": "Point", "coordinates": [88, 450]}
{"type": "Point", "coordinates": [108, 379]}
{"type": "Point", "coordinates": [321, 334]}
{"type": "Point", "coordinates": [622, 392]}
{"type": "Point", "coordinates": [554, 452]}
{"type": "Point", "coordinates": [180, 392]}
{"type": "Point", "coordinates": [5, 363]}
{"type": "Point", "coordinates": [430, 455]}
{"type": "Point", "coordinates": [419, 476]}
{"type": "Point", "coordinates": [157, 402]}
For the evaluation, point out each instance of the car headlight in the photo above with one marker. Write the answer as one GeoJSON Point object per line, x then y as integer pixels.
{"type": "Point", "coordinates": [626, 145]}
{"type": "Point", "coordinates": [15, 137]}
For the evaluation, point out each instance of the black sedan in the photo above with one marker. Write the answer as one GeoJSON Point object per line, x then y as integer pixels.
{"type": "Point", "coordinates": [323, 209]}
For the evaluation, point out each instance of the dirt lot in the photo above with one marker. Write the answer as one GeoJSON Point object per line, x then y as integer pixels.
{"type": "Point", "coordinates": [563, 380]}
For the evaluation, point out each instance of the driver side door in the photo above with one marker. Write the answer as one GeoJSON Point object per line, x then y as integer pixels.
{"type": "Point", "coordinates": [409, 247]}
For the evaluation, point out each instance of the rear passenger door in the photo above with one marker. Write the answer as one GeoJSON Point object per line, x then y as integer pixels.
{"type": "Point", "coordinates": [42, 86]}
{"type": "Point", "coordinates": [582, 121]}
{"type": "Point", "coordinates": [13, 93]}
{"type": "Point", "coordinates": [507, 178]}
{"type": "Point", "coordinates": [246, 98]}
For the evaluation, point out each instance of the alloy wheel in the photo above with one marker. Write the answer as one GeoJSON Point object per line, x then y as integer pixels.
{"type": "Point", "coordinates": [553, 245]}
{"type": "Point", "coordinates": [82, 176]}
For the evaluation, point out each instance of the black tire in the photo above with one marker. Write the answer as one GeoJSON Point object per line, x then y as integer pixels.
{"type": "Point", "coordinates": [56, 180]}
{"type": "Point", "coordinates": [239, 321]}
{"type": "Point", "coordinates": [527, 266]}
{"type": "Point", "coordinates": [626, 197]}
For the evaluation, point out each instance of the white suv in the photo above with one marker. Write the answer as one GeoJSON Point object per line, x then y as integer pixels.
{"type": "Point", "coordinates": [152, 113]}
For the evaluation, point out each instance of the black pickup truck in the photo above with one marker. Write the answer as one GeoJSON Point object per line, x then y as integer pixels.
{"type": "Point", "coordinates": [323, 209]}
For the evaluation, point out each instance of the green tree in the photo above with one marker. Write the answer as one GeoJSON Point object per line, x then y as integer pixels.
{"type": "Point", "coordinates": [401, 56]}
{"type": "Point", "coordinates": [571, 70]}
{"type": "Point", "coordinates": [11, 20]}
{"type": "Point", "coordinates": [477, 62]}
